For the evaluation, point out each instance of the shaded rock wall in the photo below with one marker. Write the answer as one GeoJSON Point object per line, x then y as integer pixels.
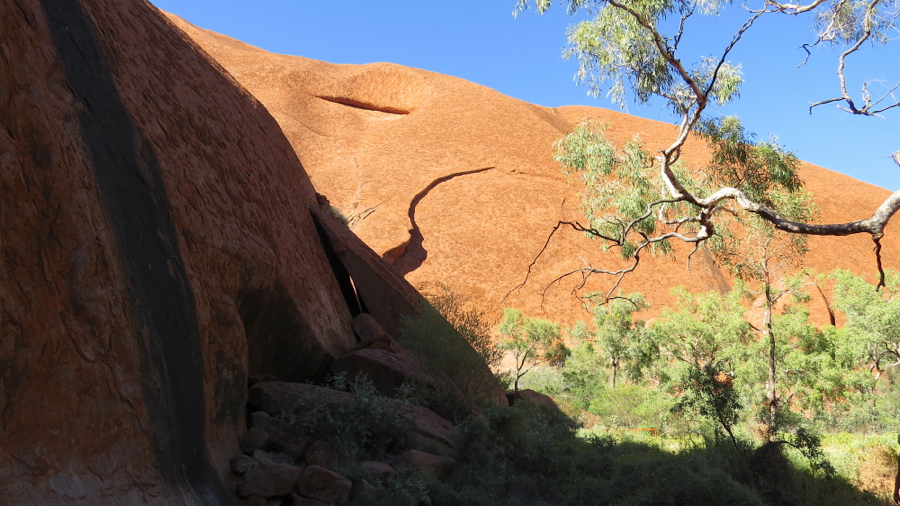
{"type": "Point", "coordinates": [155, 244]}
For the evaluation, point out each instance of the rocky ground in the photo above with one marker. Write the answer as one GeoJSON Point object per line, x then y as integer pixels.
{"type": "Point", "coordinates": [282, 464]}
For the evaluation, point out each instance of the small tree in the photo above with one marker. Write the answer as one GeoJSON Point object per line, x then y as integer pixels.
{"type": "Point", "coordinates": [531, 340]}
{"type": "Point", "coordinates": [471, 323]}
{"type": "Point", "coordinates": [766, 256]}
{"type": "Point", "coordinates": [873, 320]}
{"type": "Point", "coordinates": [622, 338]}
{"type": "Point", "coordinates": [707, 338]}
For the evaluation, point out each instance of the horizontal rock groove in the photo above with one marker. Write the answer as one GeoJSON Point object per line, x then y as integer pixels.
{"type": "Point", "coordinates": [356, 104]}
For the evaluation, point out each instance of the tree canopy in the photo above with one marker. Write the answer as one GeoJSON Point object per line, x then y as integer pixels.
{"type": "Point", "coordinates": [635, 200]}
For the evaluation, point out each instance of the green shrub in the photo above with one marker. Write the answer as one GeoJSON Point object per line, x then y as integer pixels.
{"type": "Point", "coordinates": [472, 324]}
{"type": "Point", "coordinates": [364, 428]}
{"type": "Point", "coordinates": [459, 377]}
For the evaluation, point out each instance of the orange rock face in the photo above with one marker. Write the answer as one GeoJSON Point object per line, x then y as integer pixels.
{"type": "Point", "coordinates": [156, 248]}
{"type": "Point", "coordinates": [453, 182]}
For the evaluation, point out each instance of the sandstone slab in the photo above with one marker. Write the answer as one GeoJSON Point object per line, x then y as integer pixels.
{"type": "Point", "coordinates": [435, 465]}
{"type": "Point", "coordinates": [377, 470]}
{"type": "Point", "coordinates": [533, 397]}
{"type": "Point", "coordinates": [324, 485]}
{"type": "Point", "coordinates": [269, 480]}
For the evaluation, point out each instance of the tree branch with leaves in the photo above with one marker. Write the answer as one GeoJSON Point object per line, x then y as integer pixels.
{"type": "Point", "coordinates": [635, 200]}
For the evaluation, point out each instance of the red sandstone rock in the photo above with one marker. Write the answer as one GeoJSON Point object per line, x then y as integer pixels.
{"type": "Point", "coordinates": [254, 439]}
{"type": "Point", "coordinates": [323, 485]}
{"type": "Point", "coordinates": [375, 469]}
{"type": "Point", "coordinates": [384, 142]}
{"type": "Point", "coordinates": [319, 454]}
{"type": "Point", "coordinates": [241, 464]}
{"type": "Point", "coordinates": [361, 488]}
{"type": "Point", "coordinates": [303, 501]}
{"type": "Point", "coordinates": [278, 397]}
{"type": "Point", "coordinates": [270, 480]}
{"type": "Point", "coordinates": [532, 397]}
{"type": "Point", "coordinates": [437, 466]}
{"type": "Point", "coordinates": [157, 251]}
{"type": "Point", "coordinates": [371, 335]}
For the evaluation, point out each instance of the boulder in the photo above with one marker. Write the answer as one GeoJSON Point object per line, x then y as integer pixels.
{"type": "Point", "coordinates": [382, 292]}
{"type": "Point", "coordinates": [320, 484]}
{"type": "Point", "coordinates": [532, 397]}
{"type": "Point", "coordinates": [278, 427]}
{"type": "Point", "coordinates": [241, 464]}
{"type": "Point", "coordinates": [269, 480]}
{"type": "Point", "coordinates": [415, 441]}
{"type": "Point", "coordinates": [303, 501]}
{"type": "Point", "coordinates": [387, 370]}
{"type": "Point", "coordinates": [296, 448]}
{"type": "Point", "coordinates": [256, 378]}
{"type": "Point", "coordinates": [371, 335]}
{"type": "Point", "coordinates": [254, 439]}
{"type": "Point", "coordinates": [319, 454]}
{"type": "Point", "coordinates": [264, 457]}
{"type": "Point", "coordinates": [361, 487]}
{"type": "Point", "coordinates": [279, 397]}
{"type": "Point", "coordinates": [429, 424]}
{"type": "Point", "coordinates": [435, 465]}
{"type": "Point", "coordinates": [256, 500]}
{"type": "Point", "coordinates": [375, 469]}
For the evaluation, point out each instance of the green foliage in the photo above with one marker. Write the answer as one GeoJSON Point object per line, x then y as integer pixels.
{"type": "Point", "coordinates": [618, 188]}
{"type": "Point", "coordinates": [531, 340]}
{"type": "Point", "coordinates": [405, 488]}
{"type": "Point", "coordinates": [527, 454]}
{"type": "Point", "coordinates": [626, 343]}
{"type": "Point", "coordinates": [707, 330]}
{"type": "Point", "coordinates": [617, 47]}
{"type": "Point", "coordinates": [459, 376]}
{"type": "Point", "coordinates": [755, 168]}
{"type": "Point", "coordinates": [471, 323]}
{"type": "Point", "coordinates": [632, 406]}
{"type": "Point", "coordinates": [710, 393]}
{"type": "Point", "coordinates": [364, 428]}
{"type": "Point", "coordinates": [872, 320]}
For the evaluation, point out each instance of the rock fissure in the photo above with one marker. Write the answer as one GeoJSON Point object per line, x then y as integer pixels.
{"type": "Point", "coordinates": [411, 254]}
{"type": "Point", "coordinates": [357, 104]}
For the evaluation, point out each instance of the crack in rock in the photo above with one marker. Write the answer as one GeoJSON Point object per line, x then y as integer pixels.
{"type": "Point", "coordinates": [410, 255]}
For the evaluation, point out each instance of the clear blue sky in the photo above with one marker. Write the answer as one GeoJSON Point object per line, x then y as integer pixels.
{"type": "Point", "coordinates": [480, 40]}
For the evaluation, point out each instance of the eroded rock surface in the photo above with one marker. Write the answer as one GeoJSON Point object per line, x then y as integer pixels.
{"type": "Point", "coordinates": [455, 183]}
{"type": "Point", "coordinates": [157, 251]}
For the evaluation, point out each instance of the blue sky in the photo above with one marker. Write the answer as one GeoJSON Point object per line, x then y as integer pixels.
{"type": "Point", "coordinates": [480, 40]}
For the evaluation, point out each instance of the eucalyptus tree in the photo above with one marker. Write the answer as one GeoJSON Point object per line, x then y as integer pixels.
{"type": "Point", "coordinates": [872, 331]}
{"type": "Point", "coordinates": [636, 200]}
{"type": "Point", "coordinates": [706, 339]}
{"type": "Point", "coordinates": [765, 256]}
{"type": "Point", "coordinates": [532, 341]}
{"type": "Point", "coordinates": [624, 340]}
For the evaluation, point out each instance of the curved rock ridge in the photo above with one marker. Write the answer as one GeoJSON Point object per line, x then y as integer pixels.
{"type": "Point", "coordinates": [157, 248]}
{"type": "Point", "coordinates": [479, 232]}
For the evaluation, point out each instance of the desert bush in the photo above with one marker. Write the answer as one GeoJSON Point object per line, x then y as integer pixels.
{"type": "Point", "coordinates": [407, 487]}
{"type": "Point", "coordinates": [471, 323]}
{"type": "Point", "coordinates": [364, 428]}
{"type": "Point", "coordinates": [459, 376]}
